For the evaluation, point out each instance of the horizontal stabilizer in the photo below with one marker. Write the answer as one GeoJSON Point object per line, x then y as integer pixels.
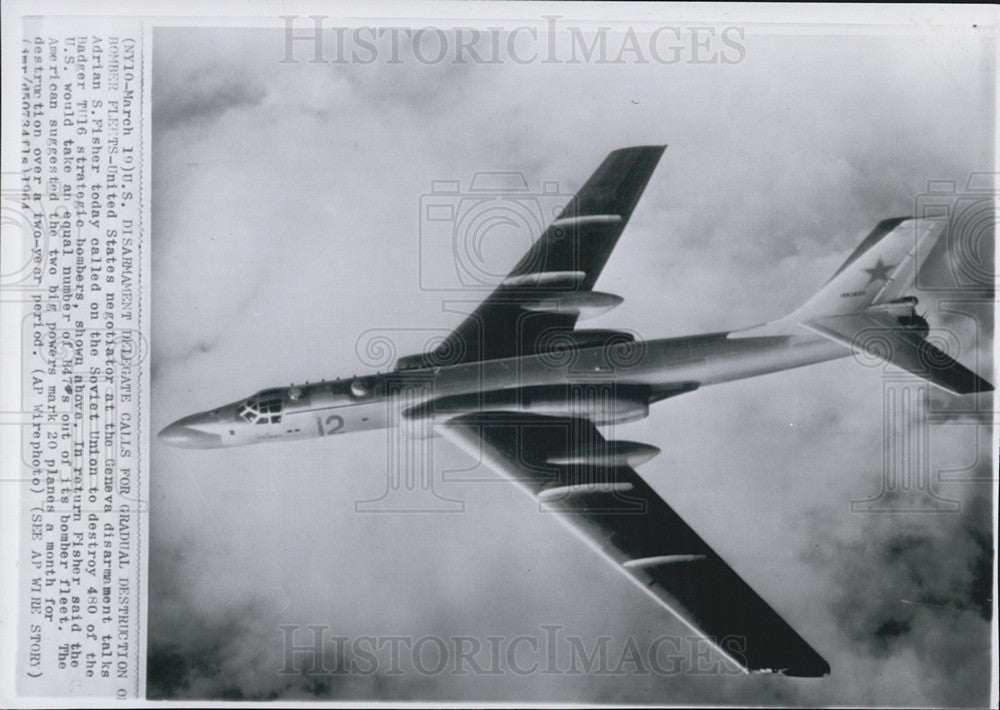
{"type": "Point", "coordinates": [879, 334]}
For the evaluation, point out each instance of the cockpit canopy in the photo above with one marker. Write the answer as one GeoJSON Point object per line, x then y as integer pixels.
{"type": "Point", "coordinates": [267, 406]}
{"type": "Point", "coordinates": [263, 407]}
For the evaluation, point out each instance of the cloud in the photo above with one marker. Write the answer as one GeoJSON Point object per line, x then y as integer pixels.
{"type": "Point", "coordinates": [234, 657]}
{"type": "Point", "coordinates": [206, 96]}
{"type": "Point", "coordinates": [916, 583]}
{"type": "Point", "coordinates": [190, 89]}
{"type": "Point", "coordinates": [195, 97]}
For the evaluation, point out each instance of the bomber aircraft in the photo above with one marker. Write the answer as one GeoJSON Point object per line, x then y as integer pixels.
{"type": "Point", "coordinates": [518, 385]}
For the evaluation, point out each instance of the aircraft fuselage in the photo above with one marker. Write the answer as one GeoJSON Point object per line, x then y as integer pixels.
{"type": "Point", "coordinates": [607, 384]}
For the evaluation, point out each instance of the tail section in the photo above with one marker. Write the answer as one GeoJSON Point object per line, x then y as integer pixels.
{"type": "Point", "coordinates": [879, 333]}
{"type": "Point", "coordinates": [883, 266]}
{"type": "Point", "coordinates": [864, 306]}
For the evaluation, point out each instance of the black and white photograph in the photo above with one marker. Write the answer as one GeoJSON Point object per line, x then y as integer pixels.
{"type": "Point", "coordinates": [376, 227]}
{"type": "Point", "coordinates": [578, 354]}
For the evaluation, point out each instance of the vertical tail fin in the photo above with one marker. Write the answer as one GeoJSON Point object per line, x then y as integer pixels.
{"type": "Point", "coordinates": [864, 306]}
{"type": "Point", "coordinates": [883, 266]}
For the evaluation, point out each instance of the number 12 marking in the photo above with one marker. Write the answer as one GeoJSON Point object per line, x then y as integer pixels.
{"type": "Point", "coordinates": [332, 425]}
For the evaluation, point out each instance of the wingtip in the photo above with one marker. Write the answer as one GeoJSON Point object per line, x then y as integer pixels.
{"type": "Point", "coordinates": [896, 221]}
{"type": "Point", "coordinates": [975, 385]}
{"type": "Point", "coordinates": [819, 669]}
{"type": "Point", "coordinates": [887, 225]}
{"type": "Point", "coordinates": [650, 147]}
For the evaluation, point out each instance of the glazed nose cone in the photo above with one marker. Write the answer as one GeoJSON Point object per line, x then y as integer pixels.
{"type": "Point", "coordinates": [186, 434]}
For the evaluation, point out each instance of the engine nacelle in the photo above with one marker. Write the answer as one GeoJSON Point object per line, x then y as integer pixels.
{"type": "Point", "coordinates": [600, 403]}
{"type": "Point", "coordinates": [590, 338]}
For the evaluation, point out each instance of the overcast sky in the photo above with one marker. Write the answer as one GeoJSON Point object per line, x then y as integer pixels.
{"type": "Point", "coordinates": [286, 223]}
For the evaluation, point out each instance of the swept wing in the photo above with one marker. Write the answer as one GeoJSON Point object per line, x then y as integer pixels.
{"type": "Point", "coordinates": [589, 484]}
{"type": "Point", "coordinates": [553, 283]}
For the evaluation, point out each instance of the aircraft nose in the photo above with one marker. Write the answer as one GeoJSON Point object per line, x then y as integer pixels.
{"type": "Point", "coordinates": [186, 434]}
